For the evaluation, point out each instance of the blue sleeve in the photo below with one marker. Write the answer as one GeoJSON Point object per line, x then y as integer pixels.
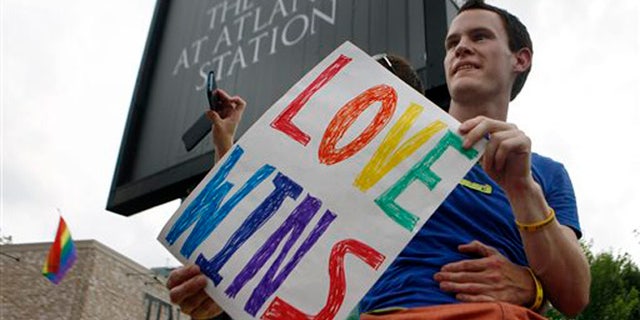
{"type": "Point", "coordinates": [560, 196]}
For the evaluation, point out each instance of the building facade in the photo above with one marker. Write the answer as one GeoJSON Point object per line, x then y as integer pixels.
{"type": "Point", "coordinates": [103, 284]}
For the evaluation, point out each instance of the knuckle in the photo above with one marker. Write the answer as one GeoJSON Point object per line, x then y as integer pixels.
{"type": "Point", "coordinates": [447, 286]}
{"type": "Point", "coordinates": [171, 281]}
{"type": "Point", "coordinates": [444, 276]}
{"type": "Point", "coordinates": [494, 277]}
{"type": "Point", "coordinates": [474, 289]}
{"type": "Point", "coordinates": [463, 265]}
{"type": "Point", "coordinates": [174, 296]}
{"type": "Point", "coordinates": [495, 263]}
{"type": "Point", "coordinates": [466, 297]}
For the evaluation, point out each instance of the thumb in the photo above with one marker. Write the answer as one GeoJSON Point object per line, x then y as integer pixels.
{"type": "Point", "coordinates": [477, 247]}
{"type": "Point", "coordinates": [214, 117]}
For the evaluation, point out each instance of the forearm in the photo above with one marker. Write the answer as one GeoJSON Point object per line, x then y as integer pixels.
{"type": "Point", "coordinates": [220, 149]}
{"type": "Point", "coordinates": [553, 251]}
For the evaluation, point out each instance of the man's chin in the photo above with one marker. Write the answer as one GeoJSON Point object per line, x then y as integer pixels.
{"type": "Point", "coordinates": [463, 91]}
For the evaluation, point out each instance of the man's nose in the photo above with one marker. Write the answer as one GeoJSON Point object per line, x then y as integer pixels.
{"type": "Point", "coordinates": [463, 47]}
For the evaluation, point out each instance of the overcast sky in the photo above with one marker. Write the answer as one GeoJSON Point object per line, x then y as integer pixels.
{"type": "Point", "coordinates": [68, 70]}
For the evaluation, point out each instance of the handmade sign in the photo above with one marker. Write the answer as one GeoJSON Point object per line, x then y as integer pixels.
{"type": "Point", "coordinates": [315, 201]}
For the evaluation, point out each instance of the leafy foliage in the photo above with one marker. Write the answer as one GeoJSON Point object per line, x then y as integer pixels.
{"type": "Point", "coordinates": [615, 288]}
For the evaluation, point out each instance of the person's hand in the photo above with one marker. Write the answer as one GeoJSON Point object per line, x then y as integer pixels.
{"type": "Point", "coordinates": [489, 278]}
{"type": "Point", "coordinates": [507, 157]}
{"type": "Point", "coordinates": [186, 289]}
{"type": "Point", "coordinates": [224, 122]}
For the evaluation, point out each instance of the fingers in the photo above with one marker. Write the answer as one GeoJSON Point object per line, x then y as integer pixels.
{"type": "Point", "coordinates": [214, 117]}
{"type": "Point", "coordinates": [186, 285]}
{"type": "Point", "coordinates": [474, 297]}
{"type": "Point", "coordinates": [191, 288]}
{"type": "Point", "coordinates": [222, 95]}
{"type": "Point", "coordinates": [230, 108]}
{"type": "Point", "coordinates": [182, 274]}
{"type": "Point", "coordinates": [477, 247]}
{"type": "Point", "coordinates": [519, 143]}
{"type": "Point", "coordinates": [233, 101]}
{"type": "Point", "coordinates": [194, 303]}
{"type": "Point", "coordinates": [507, 154]}
{"type": "Point", "coordinates": [466, 126]}
{"type": "Point", "coordinates": [238, 103]}
{"type": "Point", "coordinates": [464, 287]}
{"type": "Point", "coordinates": [490, 278]}
{"type": "Point", "coordinates": [472, 265]}
{"type": "Point", "coordinates": [471, 286]}
{"type": "Point", "coordinates": [206, 310]}
{"type": "Point", "coordinates": [461, 279]}
{"type": "Point", "coordinates": [476, 128]}
{"type": "Point", "coordinates": [491, 258]}
{"type": "Point", "coordinates": [479, 127]}
{"type": "Point", "coordinates": [501, 145]}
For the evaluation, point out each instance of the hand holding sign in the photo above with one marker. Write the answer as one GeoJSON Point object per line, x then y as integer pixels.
{"type": "Point", "coordinates": [186, 289]}
{"type": "Point", "coordinates": [507, 158]}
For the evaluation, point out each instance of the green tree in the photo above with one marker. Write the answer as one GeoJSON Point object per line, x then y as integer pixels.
{"type": "Point", "coordinates": [615, 288]}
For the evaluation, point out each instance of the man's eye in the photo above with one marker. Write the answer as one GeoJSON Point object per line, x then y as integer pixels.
{"type": "Point", "coordinates": [480, 36]}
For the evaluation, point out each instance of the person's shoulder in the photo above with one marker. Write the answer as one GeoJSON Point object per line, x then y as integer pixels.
{"type": "Point", "coordinates": [538, 160]}
{"type": "Point", "coordinates": [547, 170]}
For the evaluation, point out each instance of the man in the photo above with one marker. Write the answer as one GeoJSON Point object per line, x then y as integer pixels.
{"type": "Point", "coordinates": [488, 58]}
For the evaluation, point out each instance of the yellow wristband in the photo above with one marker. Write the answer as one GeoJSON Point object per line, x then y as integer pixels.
{"type": "Point", "coordinates": [539, 292]}
{"type": "Point", "coordinates": [531, 227]}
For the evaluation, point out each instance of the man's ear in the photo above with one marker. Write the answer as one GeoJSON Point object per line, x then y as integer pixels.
{"type": "Point", "coordinates": [522, 60]}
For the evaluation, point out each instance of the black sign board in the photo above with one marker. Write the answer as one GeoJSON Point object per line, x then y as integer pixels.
{"type": "Point", "coordinates": [258, 49]}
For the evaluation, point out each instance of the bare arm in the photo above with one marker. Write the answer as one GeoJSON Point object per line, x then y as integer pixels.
{"type": "Point", "coordinates": [553, 251]}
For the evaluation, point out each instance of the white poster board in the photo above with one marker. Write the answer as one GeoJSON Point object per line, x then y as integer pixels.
{"type": "Point", "coordinates": [317, 199]}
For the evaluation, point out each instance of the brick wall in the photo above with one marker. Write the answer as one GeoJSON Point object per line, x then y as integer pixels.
{"type": "Point", "coordinates": [103, 284]}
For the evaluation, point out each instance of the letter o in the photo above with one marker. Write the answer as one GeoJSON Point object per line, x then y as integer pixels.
{"type": "Point", "coordinates": [348, 114]}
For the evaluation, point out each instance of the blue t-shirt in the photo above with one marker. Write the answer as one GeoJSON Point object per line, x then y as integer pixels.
{"type": "Point", "coordinates": [468, 213]}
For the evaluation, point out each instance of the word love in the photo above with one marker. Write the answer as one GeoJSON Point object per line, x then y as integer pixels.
{"type": "Point", "coordinates": [389, 154]}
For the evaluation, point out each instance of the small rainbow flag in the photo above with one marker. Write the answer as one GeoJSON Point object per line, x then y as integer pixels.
{"type": "Point", "coordinates": [62, 255]}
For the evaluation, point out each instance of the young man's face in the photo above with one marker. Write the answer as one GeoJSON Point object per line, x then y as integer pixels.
{"type": "Point", "coordinates": [478, 62]}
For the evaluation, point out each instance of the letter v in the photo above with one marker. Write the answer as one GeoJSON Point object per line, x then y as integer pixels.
{"type": "Point", "coordinates": [383, 161]}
